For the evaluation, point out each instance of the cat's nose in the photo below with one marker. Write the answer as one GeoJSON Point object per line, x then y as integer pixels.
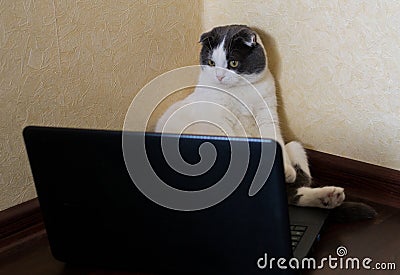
{"type": "Point", "coordinates": [220, 77]}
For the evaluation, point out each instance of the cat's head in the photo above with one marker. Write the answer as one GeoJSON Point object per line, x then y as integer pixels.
{"type": "Point", "coordinates": [232, 48]}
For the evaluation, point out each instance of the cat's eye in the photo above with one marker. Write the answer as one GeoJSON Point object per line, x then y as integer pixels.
{"type": "Point", "coordinates": [233, 63]}
{"type": "Point", "coordinates": [211, 63]}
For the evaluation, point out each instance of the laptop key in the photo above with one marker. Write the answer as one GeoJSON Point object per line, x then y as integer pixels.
{"type": "Point", "coordinates": [300, 228]}
{"type": "Point", "coordinates": [296, 238]}
{"type": "Point", "coordinates": [297, 233]}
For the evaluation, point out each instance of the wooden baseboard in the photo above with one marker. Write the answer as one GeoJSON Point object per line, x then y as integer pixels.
{"type": "Point", "coordinates": [367, 181]}
{"type": "Point", "coordinates": [22, 225]}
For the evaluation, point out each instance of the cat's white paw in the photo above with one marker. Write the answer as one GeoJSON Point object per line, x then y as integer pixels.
{"type": "Point", "coordinates": [324, 197]}
{"type": "Point", "coordinates": [331, 196]}
{"type": "Point", "coordinates": [290, 173]}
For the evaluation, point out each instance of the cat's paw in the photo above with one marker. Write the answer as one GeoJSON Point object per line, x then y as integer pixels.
{"type": "Point", "coordinates": [324, 197]}
{"type": "Point", "coordinates": [290, 173]}
{"type": "Point", "coordinates": [331, 196]}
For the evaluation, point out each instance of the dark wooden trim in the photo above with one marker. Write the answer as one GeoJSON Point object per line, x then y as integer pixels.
{"type": "Point", "coordinates": [367, 181]}
{"type": "Point", "coordinates": [17, 214]}
{"type": "Point", "coordinates": [20, 225]}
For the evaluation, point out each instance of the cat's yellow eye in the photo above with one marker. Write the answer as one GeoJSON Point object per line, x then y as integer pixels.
{"type": "Point", "coordinates": [211, 63]}
{"type": "Point", "coordinates": [233, 63]}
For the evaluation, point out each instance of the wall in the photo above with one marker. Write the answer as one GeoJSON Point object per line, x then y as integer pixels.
{"type": "Point", "coordinates": [79, 64]}
{"type": "Point", "coordinates": [337, 66]}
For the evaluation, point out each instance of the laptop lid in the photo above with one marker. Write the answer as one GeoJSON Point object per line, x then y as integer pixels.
{"type": "Point", "coordinates": [95, 214]}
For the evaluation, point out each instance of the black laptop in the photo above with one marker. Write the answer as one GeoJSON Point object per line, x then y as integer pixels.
{"type": "Point", "coordinates": [98, 212]}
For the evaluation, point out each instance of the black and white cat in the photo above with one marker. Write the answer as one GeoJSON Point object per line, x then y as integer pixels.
{"type": "Point", "coordinates": [236, 96]}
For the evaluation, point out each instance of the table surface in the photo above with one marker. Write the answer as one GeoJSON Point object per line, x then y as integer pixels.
{"type": "Point", "coordinates": [377, 239]}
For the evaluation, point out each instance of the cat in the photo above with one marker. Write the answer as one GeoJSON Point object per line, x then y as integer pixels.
{"type": "Point", "coordinates": [233, 58]}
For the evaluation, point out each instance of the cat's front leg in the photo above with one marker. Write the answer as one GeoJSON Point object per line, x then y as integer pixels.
{"type": "Point", "coordinates": [270, 129]}
{"type": "Point", "coordinates": [298, 156]}
{"type": "Point", "coordinates": [290, 172]}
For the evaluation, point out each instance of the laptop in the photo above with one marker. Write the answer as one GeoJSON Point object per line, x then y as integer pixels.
{"type": "Point", "coordinates": [98, 212]}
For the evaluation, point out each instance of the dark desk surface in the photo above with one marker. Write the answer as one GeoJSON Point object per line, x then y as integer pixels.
{"type": "Point", "coordinates": [377, 239]}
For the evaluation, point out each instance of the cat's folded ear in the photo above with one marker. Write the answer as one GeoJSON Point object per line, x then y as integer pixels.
{"type": "Point", "coordinates": [206, 37]}
{"type": "Point", "coordinates": [246, 36]}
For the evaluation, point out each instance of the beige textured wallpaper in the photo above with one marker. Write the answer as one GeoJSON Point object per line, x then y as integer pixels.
{"type": "Point", "coordinates": [79, 64]}
{"type": "Point", "coordinates": [338, 69]}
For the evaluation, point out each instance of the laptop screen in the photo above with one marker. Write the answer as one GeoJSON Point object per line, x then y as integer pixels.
{"type": "Point", "coordinates": [97, 213]}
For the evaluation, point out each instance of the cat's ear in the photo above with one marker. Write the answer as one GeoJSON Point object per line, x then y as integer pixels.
{"type": "Point", "coordinates": [246, 36]}
{"type": "Point", "coordinates": [206, 37]}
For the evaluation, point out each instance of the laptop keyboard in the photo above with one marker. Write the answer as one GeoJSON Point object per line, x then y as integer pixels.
{"type": "Point", "coordinates": [297, 232]}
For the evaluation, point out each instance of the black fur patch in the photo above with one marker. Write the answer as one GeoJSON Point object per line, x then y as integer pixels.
{"type": "Point", "coordinates": [302, 180]}
{"type": "Point", "coordinates": [240, 45]}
